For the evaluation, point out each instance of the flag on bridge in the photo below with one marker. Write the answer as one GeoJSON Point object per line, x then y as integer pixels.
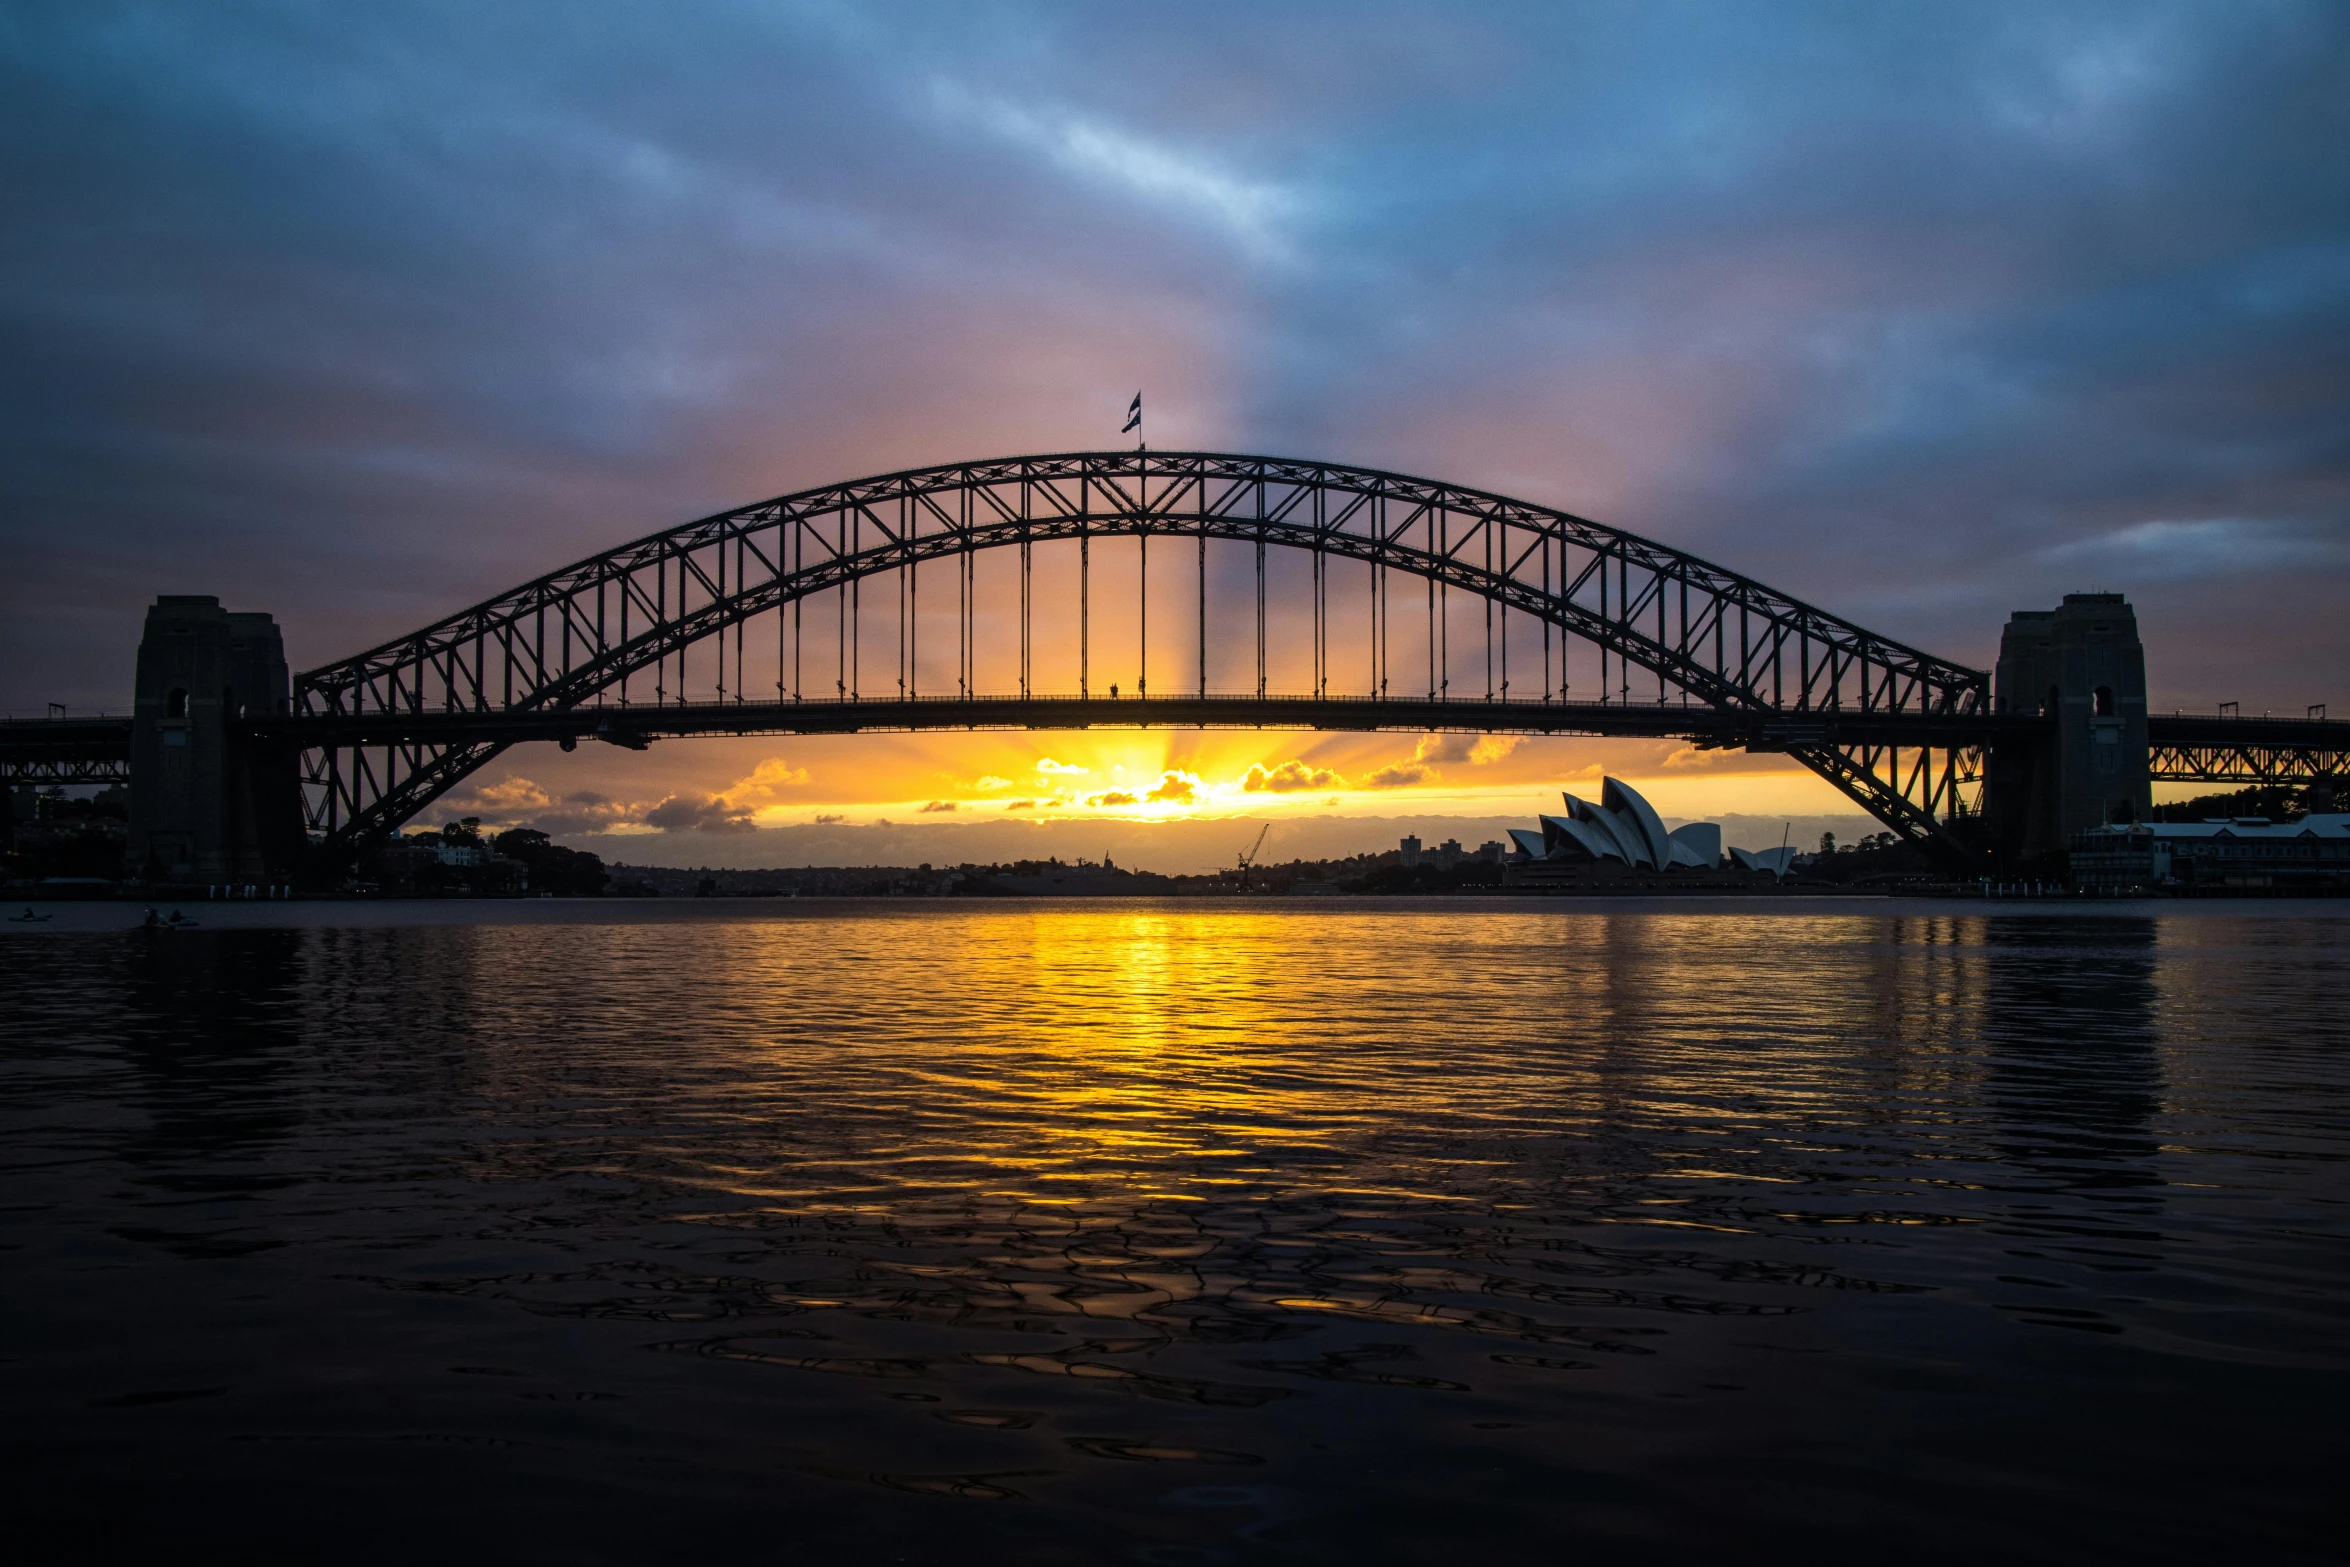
{"type": "Point", "coordinates": [1133, 415]}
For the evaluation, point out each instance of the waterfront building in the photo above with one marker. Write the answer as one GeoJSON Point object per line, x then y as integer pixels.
{"type": "Point", "coordinates": [2234, 854]}
{"type": "Point", "coordinates": [1622, 830]}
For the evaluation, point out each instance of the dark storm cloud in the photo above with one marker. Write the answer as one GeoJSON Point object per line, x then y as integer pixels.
{"type": "Point", "coordinates": [1924, 313]}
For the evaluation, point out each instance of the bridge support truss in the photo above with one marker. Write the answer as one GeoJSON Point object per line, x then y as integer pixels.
{"type": "Point", "coordinates": [2320, 763]}
{"type": "Point", "coordinates": [1409, 590]}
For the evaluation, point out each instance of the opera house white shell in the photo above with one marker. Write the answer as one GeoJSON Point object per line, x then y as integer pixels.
{"type": "Point", "coordinates": [1624, 829]}
{"type": "Point", "coordinates": [1776, 861]}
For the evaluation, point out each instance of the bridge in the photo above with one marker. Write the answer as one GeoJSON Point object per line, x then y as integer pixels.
{"type": "Point", "coordinates": [1134, 589]}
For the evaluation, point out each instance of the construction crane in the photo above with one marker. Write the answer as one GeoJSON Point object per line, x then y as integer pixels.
{"type": "Point", "coordinates": [1249, 855]}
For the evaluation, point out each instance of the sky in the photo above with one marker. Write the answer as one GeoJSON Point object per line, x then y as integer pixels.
{"type": "Point", "coordinates": [1922, 313]}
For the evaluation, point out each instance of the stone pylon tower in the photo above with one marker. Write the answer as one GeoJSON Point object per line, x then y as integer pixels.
{"type": "Point", "coordinates": [2082, 667]}
{"type": "Point", "coordinates": [209, 803]}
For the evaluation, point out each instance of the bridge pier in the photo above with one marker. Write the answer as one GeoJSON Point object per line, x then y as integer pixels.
{"type": "Point", "coordinates": [209, 803]}
{"type": "Point", "coordinates": [2082, 667]}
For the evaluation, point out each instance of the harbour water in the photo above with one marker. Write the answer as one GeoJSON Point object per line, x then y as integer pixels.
{"type": "Point", "coordinates": [1176, 1232]}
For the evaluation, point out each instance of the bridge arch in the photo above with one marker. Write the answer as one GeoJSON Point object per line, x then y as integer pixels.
{"type": "Point", "coordinates": [1734, 661]}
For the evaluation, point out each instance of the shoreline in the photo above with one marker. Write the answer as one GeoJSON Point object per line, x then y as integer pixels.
{"type": "Point", "coordinates": [93, 917]}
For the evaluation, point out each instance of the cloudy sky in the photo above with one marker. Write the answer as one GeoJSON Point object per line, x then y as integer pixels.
{"type": "Point", "coordinates": [1924, 313]}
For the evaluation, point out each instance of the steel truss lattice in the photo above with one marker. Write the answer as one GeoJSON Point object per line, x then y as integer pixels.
{"type": "Point", "coordinates": [2292, 766]}
{"type": "Point", "coordinates": [43, 773]}
{"type": "Point", "coordinates": [1659, 627]}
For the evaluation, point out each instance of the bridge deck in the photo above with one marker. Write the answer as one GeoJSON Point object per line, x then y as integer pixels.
{"type": "Point", "coordinates": [43, 751]}
{"type": "Point", "coordinates": [2187, 746]}
{"type": "Point", "coordinates": [633, 725]}
{"type": "Point", "coordinates": [109, 738]}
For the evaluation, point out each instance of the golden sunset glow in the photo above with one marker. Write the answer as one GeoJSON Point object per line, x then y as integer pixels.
{"type": "Point", "coordinates": [1128, 775]}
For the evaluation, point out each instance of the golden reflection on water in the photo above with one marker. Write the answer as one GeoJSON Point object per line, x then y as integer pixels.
{"type": "Point", "coordinates": [1067, 1054]}
{"type": "Point", "coordinates": [1145, 1112]}
{"type": "Point", "coordinates": [996, 1203]}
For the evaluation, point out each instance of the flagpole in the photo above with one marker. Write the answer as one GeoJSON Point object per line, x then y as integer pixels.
{"type": "Point", "coordinates": [1143, 574]}
{"type": "Point", "coordinates": [1142, 580]}
{"type": "Point", "coordinates": [1141, 481]}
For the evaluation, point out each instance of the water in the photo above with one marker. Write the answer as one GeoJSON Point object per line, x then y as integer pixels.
{"type": "Point", "coordinates": [1176, 1233]}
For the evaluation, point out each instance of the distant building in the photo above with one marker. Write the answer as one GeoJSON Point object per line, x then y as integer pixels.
{"type": "Point", "coordinates": [1411, 852]}
{"type": "Point", "coordinates": [2223, 854]}
{"type": "Point", "coordinates": [1623, 830]}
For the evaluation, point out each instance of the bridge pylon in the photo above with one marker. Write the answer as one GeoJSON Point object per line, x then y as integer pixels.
{"type": "Point", "coordinates": [212, 802]}
{"type": "Point", "coordinates": [2082, 669]}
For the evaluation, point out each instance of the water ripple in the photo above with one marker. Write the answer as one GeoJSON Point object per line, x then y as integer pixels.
{"type": "Point", "coordinates": [1023, 1206]}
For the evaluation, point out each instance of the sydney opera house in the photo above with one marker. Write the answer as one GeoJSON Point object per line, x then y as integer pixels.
{"type": "Point", "coordinates": [1623, 830]}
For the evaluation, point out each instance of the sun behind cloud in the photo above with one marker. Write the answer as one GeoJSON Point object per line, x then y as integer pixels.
{"type": "Point", "coordinates": [1289, 778]}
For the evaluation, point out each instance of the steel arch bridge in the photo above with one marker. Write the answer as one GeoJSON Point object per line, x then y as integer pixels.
{"type": "Point", "coordinates": [1419, 605]}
